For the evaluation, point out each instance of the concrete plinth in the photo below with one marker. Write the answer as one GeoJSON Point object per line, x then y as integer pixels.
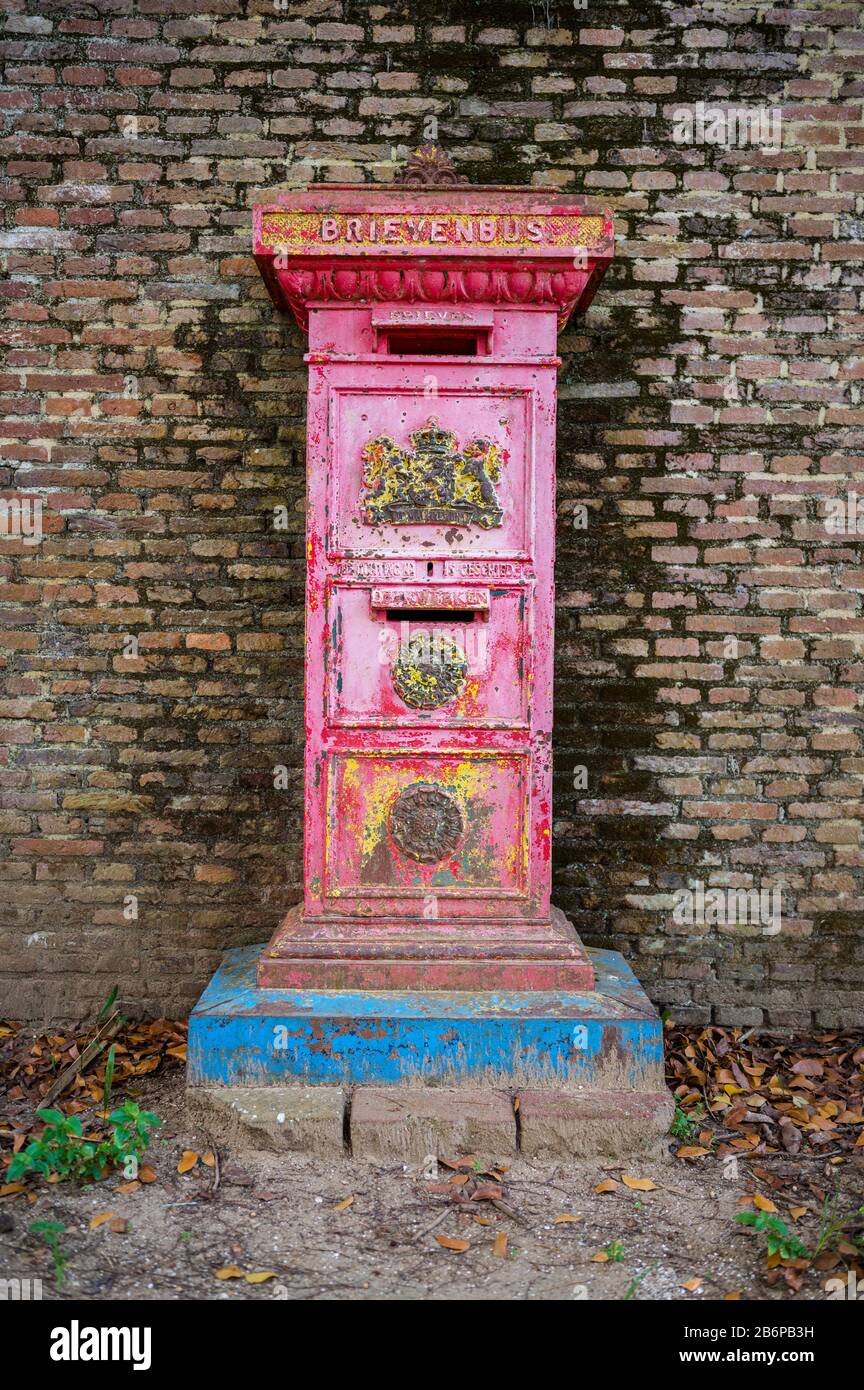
{"type": "Point", "coordinates": [399, 1075]}
{"type": "Point", "coordinates": [243, 1035]}
{"type": "Point", "coordinates": [586, 1124]}
{"type": "Point", "coordinates": [409, 1122]}
{"type": "Point", "coordinates": [305, 1119]}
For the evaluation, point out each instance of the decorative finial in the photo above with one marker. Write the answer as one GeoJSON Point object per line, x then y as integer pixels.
{"type": "Point", "coordinates": [430, 166]}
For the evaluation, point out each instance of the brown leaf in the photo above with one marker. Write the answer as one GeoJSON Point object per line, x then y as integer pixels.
{"type": "Point", "coordinates": [499, 1246]}
{"type": "Point", "coordinates": [453, 1243]}
{"type": "Point", "coordinates": [100, 1219]}
{"type": "Point", "coordinates": [691, 1285]}
{"type": "Point", "coordinates": [691, 1151]}
{"type": "Point", "coordinates": [188, 1161]}
{"type": "Point", "coordinates": [763, 1203]}
{"type": "Point", "coordinates": [344, 1204]}
{"type": "Point", "coordinates": [118, 1226]}
{"type": "Point", "coordinates": [490, 1193]}
{"type": "Point", "coordinates": [260, 1277]}
{"type": "Point", "coordinates": [600, 1257]}
{"type": "Point", "coordinates": [229, 1272]}
{"type": "Point", "coordinates": [146, 1174]}
{"type": "Point", "coordinates": [639, 1184]}
{"type": "Point", "coordinates": [607, 1185]}
{"type": "Point", "coordinates": [829, 1259]}
{"type": "Point", "coordinates": [808, 1066]}
{"type": "Point", "coordinates": [565, 1217]}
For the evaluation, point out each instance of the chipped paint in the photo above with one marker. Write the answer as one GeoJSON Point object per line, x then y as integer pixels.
{"type": "Point", "coordinates": [242, 1034]}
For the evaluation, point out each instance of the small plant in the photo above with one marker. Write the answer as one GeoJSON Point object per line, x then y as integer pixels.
{"type": "Point", "coordinates": [830, 1229]}
{"type": "Point", "coordinates": [62, 1151]}
{"type": "Point", "coordinates": [615, 1251]}
{"type": "Point", "coordinates": [684, 1123]}
{"type": "Point", "coordinates": [630, 1291]}
{"type": "Point", "coordinates": [109, 1076]}
{"type": "Point", "coordinates": [131, 1134]}
{"type": "Point", "coordinates": [780, 1240]}
{"type": "Point", "coordinates": [50, 1232]}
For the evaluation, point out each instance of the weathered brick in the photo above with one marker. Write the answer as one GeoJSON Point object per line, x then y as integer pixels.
{"type": "Point", "coordinates": [709, 622]}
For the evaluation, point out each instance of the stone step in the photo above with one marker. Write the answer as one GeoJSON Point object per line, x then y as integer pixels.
{"type": "Point", "coordinates": [411, 1122]}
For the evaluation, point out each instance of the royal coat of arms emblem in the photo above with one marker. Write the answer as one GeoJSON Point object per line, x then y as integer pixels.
{"type": "Point", "coordinates": [432, 482]}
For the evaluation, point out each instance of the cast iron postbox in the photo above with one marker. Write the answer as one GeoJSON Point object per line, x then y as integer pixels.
{"type": "Point", "coordinates": [432, 315]}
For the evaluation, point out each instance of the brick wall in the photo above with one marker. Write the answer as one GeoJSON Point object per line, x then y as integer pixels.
{"type": "Point", "coordinates": [710, 621]}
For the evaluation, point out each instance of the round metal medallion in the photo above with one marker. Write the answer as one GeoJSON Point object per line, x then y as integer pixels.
{"type": "Point", "coordinates": [429, 671]}
{"type": "Point", "coordinates": [426, 822]}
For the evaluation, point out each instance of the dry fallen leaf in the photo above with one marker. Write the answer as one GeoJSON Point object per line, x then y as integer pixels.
{"type": "Point", "coordinates": [209, 1160]}
{"type": "Point", "coordinates": [499, 1246]}
{"type": "Point", "coordinates": [808, 1066]}
{"type": "Point", "coordinates": [229, 1272]}
{"type": "Point", "coordinates": [607, 1185]}
{"type": "Point", "coordinates": [188, 1161]}
{"type": "Point", "coordinates": [691, 1151]}
{"type": "Point", "coordinates": [600, 1257]}
{"type": "Point", "coordinates": [565, 1217]}
{"type": "Point", "coordinates": [691, 1285]}
{"type": "Point", "coordinates": [127, 1187]}
{"type": "Point", "coordinates": [453, 1243]}
{"type": "Point", "coordinates": [733, 1297]}
{"type": "Point", "coordinates": [763, 1203]}
{"type": "Point", "coordinates": [118, 1226]}
{"type": "Point", "coordinates": [346, 1202]}
{"type": "Point", "coordinates": [261, 1277]}
{"type": "Point", "coordinates": [100, 1219]}
{"type": "Point", "coordinates": [639, 1184]}
{"type": "Point", "coordinates": [490, 1193]}
{"type": "Point", "coordinates": [146, 1174]}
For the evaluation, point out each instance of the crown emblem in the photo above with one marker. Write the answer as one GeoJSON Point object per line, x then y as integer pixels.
{"type": "Point", "coordinates": [432, 482]}
{"type": "Point", "coordinates": [430, 167]}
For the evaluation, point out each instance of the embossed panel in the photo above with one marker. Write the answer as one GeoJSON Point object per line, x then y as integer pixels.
{"type": "Point", "coordinates": [413, 472]}
{"type": "Point", "coordinates": [392, 665]}
{"type": "Point", "coordinates": [408, 828]}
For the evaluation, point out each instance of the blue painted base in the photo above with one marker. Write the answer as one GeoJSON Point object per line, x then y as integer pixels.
{"type": "Point", "coordinates": [240, 1035]}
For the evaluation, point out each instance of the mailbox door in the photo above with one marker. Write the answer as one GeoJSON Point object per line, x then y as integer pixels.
{"type": "Point", "coordinates": [440, 655]}
{"type": "Point", "coordinates": [425, 462]}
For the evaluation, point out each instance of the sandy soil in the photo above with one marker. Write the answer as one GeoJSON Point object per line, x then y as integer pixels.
{"type": "Point", "coordinates": [281, 1214]}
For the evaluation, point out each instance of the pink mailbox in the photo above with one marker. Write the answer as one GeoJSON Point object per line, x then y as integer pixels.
{"type": "Point", "coordinates": [432, 316]}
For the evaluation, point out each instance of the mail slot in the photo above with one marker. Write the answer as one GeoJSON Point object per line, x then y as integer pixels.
{"type": "Point", "coordinates": [435, 655]}
{"type": "Point", "coordinates": [438, 332]}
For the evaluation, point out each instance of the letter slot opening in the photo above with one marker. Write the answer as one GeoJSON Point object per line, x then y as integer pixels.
{"type": "Point", "coordinates": [410, 342]}
{"type": "Point", "coordinates": [439, 602]}
{"type": "Point", "coordinates": [431, 615]}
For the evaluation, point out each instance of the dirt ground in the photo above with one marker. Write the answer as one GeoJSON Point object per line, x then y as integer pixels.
{"type": "Point", "coordinates": [287, 1216]}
